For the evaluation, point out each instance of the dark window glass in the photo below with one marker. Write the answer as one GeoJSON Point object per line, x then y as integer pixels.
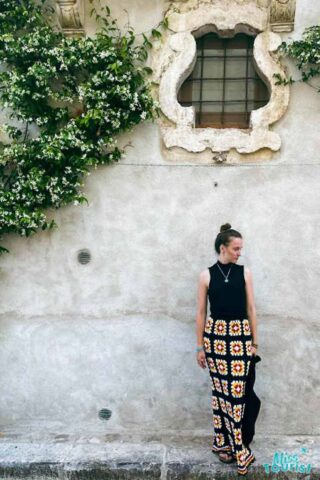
{"type": "Point", "coordinates": [224, 86]}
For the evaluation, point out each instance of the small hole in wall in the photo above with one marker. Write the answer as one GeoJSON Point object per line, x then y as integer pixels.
{"type": "Point", "coordinates": [84, 256]}
{"type": "Point", "coordinates": [105, 414]}
{"type": "Point", "coordinates": [215, 184]}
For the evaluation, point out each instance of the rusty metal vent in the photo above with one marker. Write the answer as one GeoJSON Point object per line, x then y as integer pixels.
{"type": "Point", "coordinates": [105, 414]}
{"type": "Point", "coordinates": [84, 256]}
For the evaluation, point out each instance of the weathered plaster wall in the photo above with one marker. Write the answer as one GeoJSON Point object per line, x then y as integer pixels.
{"type": "Point", "coordinates": [119, 333]}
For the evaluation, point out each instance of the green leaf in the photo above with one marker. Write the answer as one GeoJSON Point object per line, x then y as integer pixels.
{"type": "Point", "coordinates": [166, 22]}
{"type": "Point", "coordinates": [147, 70]}
{"type": "Point", "coordinates": [156, 33]}
{"type": "Point", "coordinates": [147, 41]}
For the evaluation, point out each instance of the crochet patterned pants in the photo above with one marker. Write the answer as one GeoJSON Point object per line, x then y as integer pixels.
{"type": "Point", "coordinates": [227, 346]}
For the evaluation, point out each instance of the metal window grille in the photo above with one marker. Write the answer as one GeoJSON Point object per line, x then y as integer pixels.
{"type": "Point", "coordinates": [224, 86]}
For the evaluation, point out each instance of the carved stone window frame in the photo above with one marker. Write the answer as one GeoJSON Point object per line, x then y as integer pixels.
{"type": "Point", "coordinates": [177, 57]}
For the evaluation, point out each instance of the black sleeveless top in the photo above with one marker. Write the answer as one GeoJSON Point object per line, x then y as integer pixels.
{"type": "Point", "coordinates": [227, 300]}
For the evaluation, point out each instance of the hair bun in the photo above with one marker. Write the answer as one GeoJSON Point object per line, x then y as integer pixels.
{"type": "Point", "coordinates": [224, 227]}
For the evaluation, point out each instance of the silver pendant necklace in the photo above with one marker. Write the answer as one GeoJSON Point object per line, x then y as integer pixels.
{"type": "Point", "coordinates": [226, 280]}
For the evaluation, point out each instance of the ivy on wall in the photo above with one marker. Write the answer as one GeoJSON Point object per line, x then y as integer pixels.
{"type": "Point", "coordinates": [65, 100]}
{"type": "Point", "coordinates": [305, 53]}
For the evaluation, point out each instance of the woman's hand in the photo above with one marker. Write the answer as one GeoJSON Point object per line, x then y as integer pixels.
{"type": "Point", "coordinates": [253, 350]}
{"type": "Point", "coordinates": [201, 359]}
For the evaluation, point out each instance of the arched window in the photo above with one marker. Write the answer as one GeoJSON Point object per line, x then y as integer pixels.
{"type": "Point", "coordinates": [224, 86]}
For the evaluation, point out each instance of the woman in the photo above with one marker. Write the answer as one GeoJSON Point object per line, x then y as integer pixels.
{"type": "Point", "coordinates": [227, 342]}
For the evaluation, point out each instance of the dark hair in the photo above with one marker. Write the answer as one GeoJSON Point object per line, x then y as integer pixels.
{"type": "Point", "coordinates": [224, 237]}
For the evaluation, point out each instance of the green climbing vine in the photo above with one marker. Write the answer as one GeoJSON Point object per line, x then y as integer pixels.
{"type": "Point", "coordinates": [65, 100]}
{"type": "Point", "coordinates": [305, 53]}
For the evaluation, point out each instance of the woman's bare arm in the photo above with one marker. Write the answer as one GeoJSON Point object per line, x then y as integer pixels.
{"type": "Point", "coordinates": [251, 309]}
{"type": "Point", "coordinates": [203, 286]}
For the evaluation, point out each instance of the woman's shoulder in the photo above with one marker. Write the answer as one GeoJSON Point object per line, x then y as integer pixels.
{"type": "Point", "coordinates": [246, 268]}
{"type": "Point", "coordinates": [247, 273]}
{"type": "Point", "coordinates": [242, 270]}
{"type": "Point", "coordinates": [204, 274]}
{"type": "Point", "coordinates": [204, 277]}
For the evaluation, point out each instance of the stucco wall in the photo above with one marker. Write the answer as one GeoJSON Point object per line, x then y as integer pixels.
{"type": "Point", "coordinates": [119, 332]}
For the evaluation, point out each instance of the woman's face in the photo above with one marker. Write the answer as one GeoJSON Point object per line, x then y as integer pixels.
{"type": "Point", "coordinates": [233, 251]}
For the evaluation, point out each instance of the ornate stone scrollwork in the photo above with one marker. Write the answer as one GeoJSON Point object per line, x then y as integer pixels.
{"type": "Point", "coordinates": [176, 59]}
{"type": "Point", "coordinates": [70, 14]}
{"type": "Point", "coordinates": [282, 13]}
